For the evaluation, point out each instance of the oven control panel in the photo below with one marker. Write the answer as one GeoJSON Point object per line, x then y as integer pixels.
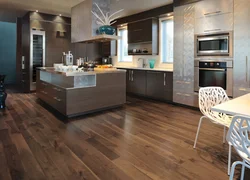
{"type": "Point", "coordinates": [212, 64]}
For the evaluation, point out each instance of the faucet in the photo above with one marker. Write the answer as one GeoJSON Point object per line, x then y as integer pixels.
{"type": "Point", "coordinates": [144, 65]}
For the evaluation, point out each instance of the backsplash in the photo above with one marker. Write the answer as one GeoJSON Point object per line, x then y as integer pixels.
{"type": "Point", "coordinates": [134, 63]}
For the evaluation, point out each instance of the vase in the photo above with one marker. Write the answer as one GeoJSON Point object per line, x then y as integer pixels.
{"type": "Point", "coordinates": [3, 94]}
{"type": "Point", "coordinates": [109, 30]}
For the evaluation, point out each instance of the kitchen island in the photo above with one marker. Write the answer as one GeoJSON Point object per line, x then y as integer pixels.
{"type": "Point", "coordinates": [78, 93]}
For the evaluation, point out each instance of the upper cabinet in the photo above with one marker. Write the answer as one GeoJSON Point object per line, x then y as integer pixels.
{"type": "Point", "coordinates": [215, 23]}
{"type": "Point", "coordinates": [139, 32]}
{"type": "Point", "coordinates": [143, 37]}
{"type": "Point", "coordinates": [214, 16]}
{"type": "Point", "coordinates": [209, 8]}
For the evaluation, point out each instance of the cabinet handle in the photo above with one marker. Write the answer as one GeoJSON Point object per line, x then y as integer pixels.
{"type": "Point", "coordinates": [44, 92]}
{"type": "Point", "coordinates": [246, 69]}
{"type": "Point", "coordinates": [211, 13]}
{"type": "Point", "coordinates": [164, 79]}
{"type": "Point", "coordinates": [129, 75]}
{"type": "Point", "coordinates": [187, 95]}
{"type": "Point", "coordinates": [212, 30]}
{"type": "Point", "coordinates": [59, 90]}
{"type": "Point", "coordinates": [138, 30]}
{"type": "Point", "coordinates": [57, 99]}
{"type": "Point", "coordinates": [132, 76]}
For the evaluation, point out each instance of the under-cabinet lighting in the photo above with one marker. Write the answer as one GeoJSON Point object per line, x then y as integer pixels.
{"type": "Point", "coordinates": [37, 11]}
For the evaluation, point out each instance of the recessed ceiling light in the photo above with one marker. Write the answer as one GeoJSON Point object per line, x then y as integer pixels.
{"type": "Point", "coordinates": [37, 11]}
{"type": "Point", "coordinates": [169, 14]}
{"type": "Point", "coordinates": [60, 14]}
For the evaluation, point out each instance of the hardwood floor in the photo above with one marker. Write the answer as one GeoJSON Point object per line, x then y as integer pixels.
{"type": "Point", "coordinates": [143, 140]}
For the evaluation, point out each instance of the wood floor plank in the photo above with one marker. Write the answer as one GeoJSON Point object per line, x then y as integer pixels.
{"type": "Point", "coordinates": [144, 139]}
{"type": "Point", "coordinates": [4, 169]}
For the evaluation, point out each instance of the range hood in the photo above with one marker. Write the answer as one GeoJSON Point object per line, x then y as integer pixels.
{"type": "Point", "coordinates": [83, 22]}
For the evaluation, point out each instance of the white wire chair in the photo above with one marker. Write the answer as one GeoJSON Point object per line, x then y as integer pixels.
{"type": "Point", "coordinates": [209, 97]}
{"type": "Point", "coordinates": [238, 136]}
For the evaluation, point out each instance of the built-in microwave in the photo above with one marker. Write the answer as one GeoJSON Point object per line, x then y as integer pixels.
{"type": "Point", "coordinates": [216, 44]}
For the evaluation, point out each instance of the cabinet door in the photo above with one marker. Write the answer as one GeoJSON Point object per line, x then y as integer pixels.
{"type": "Point", "coordinates": [140, 32]}
{"type": "Point", "coordinates": [129, 83]}
{"type": "Point", "coordinates": [241, 47]}
{"type": "Point", "coordinates": [155, 84]}
{"type": "Point", "coordinates": [138, 82]}
{"type": "Point", "coordinates": [212, 7]}
{"type": "Point", "coordinates": [215, 23]}
{"type": "Point", "coordinates": [168, 86]}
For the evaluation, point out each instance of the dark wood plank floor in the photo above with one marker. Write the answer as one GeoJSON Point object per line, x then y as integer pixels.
{"type": "Point", "coordinates": [143, 140]}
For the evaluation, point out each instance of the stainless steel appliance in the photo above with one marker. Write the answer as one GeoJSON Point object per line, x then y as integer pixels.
{"type": "Point", "coordinates": [214, 73]}
{"type": "Point", "coordinates": [37, 54]}
{"type": "Point", "coordinates": [67, 59]}
{"type": "Point", "coordinates": [106, 60]}
{"type": "Point", "coordinates": [216, 44]}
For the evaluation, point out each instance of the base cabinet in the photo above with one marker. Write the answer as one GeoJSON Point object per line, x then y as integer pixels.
{"type": "Point", "coordinates": [136, 82]}
{"type": "Point", "coordinates": [153, 84]}
{"type": "Point", "coordinates": [160, 85]}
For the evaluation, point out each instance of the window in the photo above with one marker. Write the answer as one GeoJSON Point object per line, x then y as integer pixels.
{"type": "Point", "coordinates": [123, 45]}
{"type": "Point", "coordinates": [166, 40]}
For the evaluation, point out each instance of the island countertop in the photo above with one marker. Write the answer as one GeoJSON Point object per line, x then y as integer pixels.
{"type": "Point", "coordinates": [81, 73]}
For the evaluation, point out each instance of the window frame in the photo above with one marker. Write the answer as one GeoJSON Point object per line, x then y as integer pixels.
{"type": "Point", "coordinates": [160, 38]}
{"type": "Point", "coordinates": [130, 58]}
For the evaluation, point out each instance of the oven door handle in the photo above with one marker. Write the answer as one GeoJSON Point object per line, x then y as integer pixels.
{"type": "Point", "coordinates": [212, 69]}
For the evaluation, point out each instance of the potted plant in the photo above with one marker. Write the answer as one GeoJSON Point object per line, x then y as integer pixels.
{"type": "Point", "coordinates": [106, 21]}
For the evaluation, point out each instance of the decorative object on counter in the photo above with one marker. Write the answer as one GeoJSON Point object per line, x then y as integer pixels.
{"type": "Point", "coordinates": [152, 63]}
{"type": "Point", "coordinates": [106, 21]}
{"type": "Point", "coordinates": [67, 59]}
{"type": "Point", "coordinates": [3, 94]}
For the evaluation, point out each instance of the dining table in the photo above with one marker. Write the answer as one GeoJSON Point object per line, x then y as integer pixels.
{"type": "Point", "coordinates": [236, 106]}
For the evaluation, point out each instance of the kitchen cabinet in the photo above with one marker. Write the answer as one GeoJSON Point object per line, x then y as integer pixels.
{"type": "Point", "coordinates": [136, 82]}
{"type": "Point", "coordinates": [106, 49]}
{"type": "Point", "coordinates": [213, 24]}
{"type": "Point", "coordinates": [241, 48]}
{"type": "Point", "coordinates": [140, 31]}
{"type": "Point", "coordinates": [207, 8]}
{"type": "Point", "coordinates": [143, 35]}
{"type": "Point", "coordinates": [152, 84]}
{"type": "Point", "coordinates": [160, 85]}
{"type": "Point", "coordinates": [183, 75]}
{"type": "Point", "coordinates": [213, 16]}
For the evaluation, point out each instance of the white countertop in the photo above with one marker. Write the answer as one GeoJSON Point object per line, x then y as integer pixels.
{"type": "Point", "coordinates": [237, 106]}
{"type": "Point", "coordinates": [81, 73]}
{"type": "Point", "coordinates": [146, 69]}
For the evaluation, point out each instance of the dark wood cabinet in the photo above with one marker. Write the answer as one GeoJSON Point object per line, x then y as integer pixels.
{"type": "Point", "coordinates": [140, 31]}
{"type": "Point", "coordinates": [106, 49]}
{"type": "Point", "coordinates": [143, 35]}
{"type": "Point", "coordinates": [160, 85]}
{"type": "Point", "coordinates": [153, 84]}
{"type": "Point", "coordinates": [136, 82]}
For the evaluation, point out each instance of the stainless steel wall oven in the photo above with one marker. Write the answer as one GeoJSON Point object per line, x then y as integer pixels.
{"type": "Point", "coordinates": [214, 73]}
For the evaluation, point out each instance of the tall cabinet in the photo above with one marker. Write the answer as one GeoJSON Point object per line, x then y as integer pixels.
{"type": "Point", "coordinates": [241, 47]}
{"type": "Point", "coordinates": [183, 77]}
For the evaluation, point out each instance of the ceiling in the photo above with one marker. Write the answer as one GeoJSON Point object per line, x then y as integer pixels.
{"type": "Point", "coordinates": [10, 9]}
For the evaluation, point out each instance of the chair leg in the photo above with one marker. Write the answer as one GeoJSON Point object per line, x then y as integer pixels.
{"type": "Point", "coordinates": [243, 170]}
{"type": "Point", "coordinates": [233, 169]}
{"type": "Point", "coordinates": [224, 135]}
{"type": "Point", "coordinates": [229, 159]}
{"type": "Point", "coordinates": [244, 164]}
{"type": "Point", "coordinates": [198, 130]}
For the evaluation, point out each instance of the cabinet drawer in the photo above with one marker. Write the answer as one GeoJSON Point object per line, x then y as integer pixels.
{"type": "Point", "coordinates": [212, 24]}
{"type": "Point", "coordinates": [213, 7]}
{"type": "Point", "coordinates": [184, 98]}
